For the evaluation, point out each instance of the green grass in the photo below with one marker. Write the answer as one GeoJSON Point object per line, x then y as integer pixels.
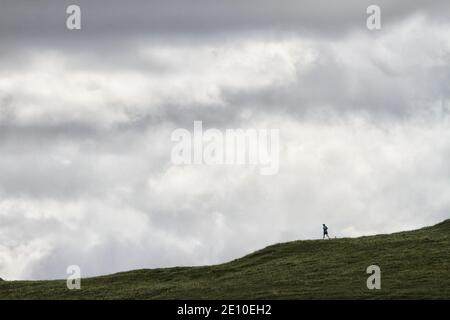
{"type": "Point", "coordinates": [414, 265]}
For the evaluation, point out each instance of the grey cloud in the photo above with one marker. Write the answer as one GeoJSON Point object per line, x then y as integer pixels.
{"type": "Point", "coordinates": [197, 17]}
{"type": "Point", "coordinates": [86, 118]}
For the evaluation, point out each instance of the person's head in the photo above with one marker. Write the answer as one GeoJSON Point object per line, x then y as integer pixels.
{"type": "Point", "coordinates": [324, 224]}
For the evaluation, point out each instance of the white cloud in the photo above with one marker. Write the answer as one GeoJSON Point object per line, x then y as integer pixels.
{"type": "Point", "coordinates": [85, 172]}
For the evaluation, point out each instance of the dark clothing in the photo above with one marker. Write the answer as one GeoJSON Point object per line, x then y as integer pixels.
{"type": "Point", "coordinates": [325, 232]}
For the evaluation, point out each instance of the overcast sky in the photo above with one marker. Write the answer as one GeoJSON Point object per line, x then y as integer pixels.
{"type": "Point", "coordinates": [86, 119]}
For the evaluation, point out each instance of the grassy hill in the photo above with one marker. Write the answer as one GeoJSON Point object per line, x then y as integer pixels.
{"type": "Point", "coordinates": [414, 264]}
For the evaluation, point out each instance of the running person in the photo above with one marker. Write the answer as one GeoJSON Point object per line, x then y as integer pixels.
{"type": "Point", "coordinates": [325, 231]}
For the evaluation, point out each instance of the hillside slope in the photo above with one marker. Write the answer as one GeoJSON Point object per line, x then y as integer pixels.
{"type": "Point", "coordinates": [414, 264]}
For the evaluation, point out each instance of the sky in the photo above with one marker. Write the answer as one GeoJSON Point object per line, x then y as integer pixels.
{"type": "Point", "coordinates": [86, 118]}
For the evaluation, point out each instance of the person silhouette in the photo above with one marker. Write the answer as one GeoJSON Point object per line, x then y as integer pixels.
{"type": "Point", "coordinates": [325, 231]}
